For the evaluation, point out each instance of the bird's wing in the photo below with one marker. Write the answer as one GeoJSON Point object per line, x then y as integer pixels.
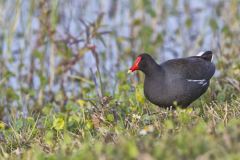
{"type": "Point", "coordinates": [193, 69]}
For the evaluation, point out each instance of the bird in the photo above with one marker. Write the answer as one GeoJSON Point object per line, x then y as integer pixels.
{"type": "Point", "coordinates": [176, 82]}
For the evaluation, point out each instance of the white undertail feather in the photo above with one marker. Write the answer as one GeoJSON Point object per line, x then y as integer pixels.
{"type": "Point", "coordinates": [201, 53]}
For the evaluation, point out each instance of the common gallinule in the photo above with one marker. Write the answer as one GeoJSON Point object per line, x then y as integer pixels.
{"type": "Point", "coordinates": [177, 81]}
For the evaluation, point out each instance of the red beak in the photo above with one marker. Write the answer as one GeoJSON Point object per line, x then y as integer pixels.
{"type": "Point", "coordinates": [135, 65]}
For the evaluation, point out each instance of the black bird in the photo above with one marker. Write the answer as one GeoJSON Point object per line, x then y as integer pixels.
{"type": "Point", "coordinates": [179, 81]}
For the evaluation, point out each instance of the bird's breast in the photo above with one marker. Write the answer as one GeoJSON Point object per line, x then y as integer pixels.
{"type": "Point", "coordinates": [154, 90]}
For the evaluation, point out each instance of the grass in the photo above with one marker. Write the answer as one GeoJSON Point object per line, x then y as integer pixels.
{"type": "Point", "coordinates": [134, 129]}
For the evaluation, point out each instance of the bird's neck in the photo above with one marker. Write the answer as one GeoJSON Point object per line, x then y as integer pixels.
{"type": "Point", "coordinates": [152, 70]}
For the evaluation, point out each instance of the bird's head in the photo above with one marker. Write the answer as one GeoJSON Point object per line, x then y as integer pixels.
{"type": "Point", "coordinates": [142, 62]}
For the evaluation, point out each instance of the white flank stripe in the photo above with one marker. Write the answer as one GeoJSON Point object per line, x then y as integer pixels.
{"type": "Point", "coordinates": [204, 84]}
{"type": "Point", "coordinates": [198, 81]}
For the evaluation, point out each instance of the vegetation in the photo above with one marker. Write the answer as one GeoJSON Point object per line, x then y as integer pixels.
{"type": "Point", "coordinates": [65, 94]}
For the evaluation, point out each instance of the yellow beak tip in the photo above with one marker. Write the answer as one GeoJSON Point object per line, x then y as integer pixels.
{"type": "Point", "coordinates": [129, 71]}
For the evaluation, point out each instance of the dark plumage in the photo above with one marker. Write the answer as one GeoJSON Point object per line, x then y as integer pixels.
{"type": "Point", "coordinates": [180, 80]}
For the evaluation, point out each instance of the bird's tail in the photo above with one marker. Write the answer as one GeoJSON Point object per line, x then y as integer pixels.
{"type": "Point", "coordinates": [207, 55]}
